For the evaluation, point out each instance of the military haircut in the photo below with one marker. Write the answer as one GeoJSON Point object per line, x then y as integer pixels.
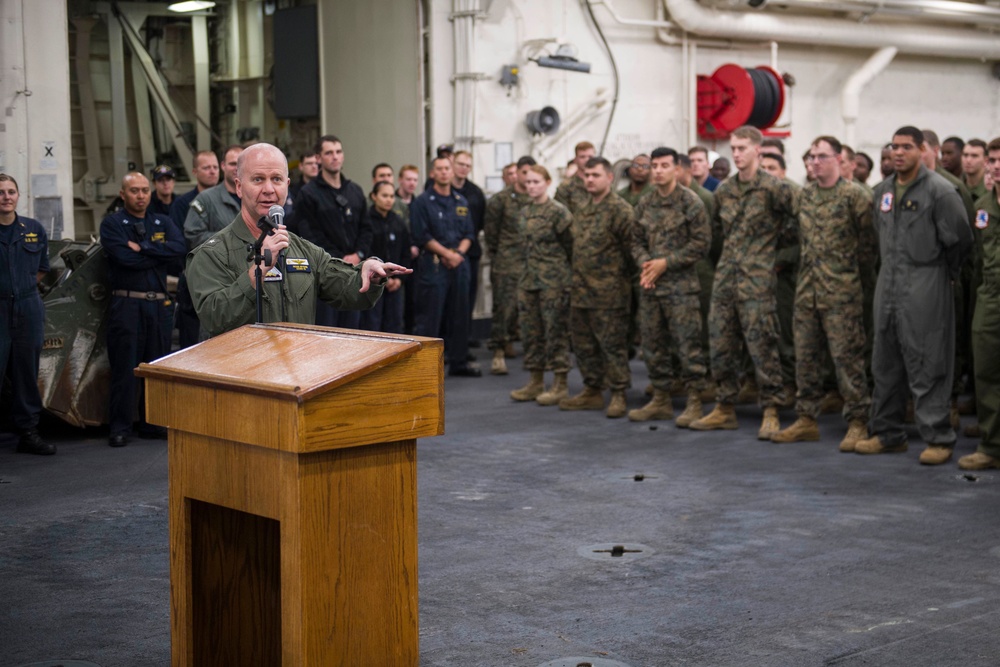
{"type": "Point", "coordinates": [931, 138]}
{"type": "Point", "coordinates": [834, 143]}
{"type": "Point", "coordinates": [978, 143]}
{"type": "Point", "coordinates": [541, 171]}
{"type": "Point", "coordinates": [844, 148]}
{"type": "Point", "coordinates": [780, 159]}
{"type": "Point", "coordinates": [252, 150]}
{"type": "Point", "coordinates": [698, 149]}
{"type": "Point", "coordinates": [955, 140]}
{"type": "Point", "coordinates": [318, 147]}
{"type": "Point", "coordinates": [684, 161]}
{"type": "Point", "coordinates": [663, 151]}
{"type": "Point", "coordinates": [8, 177]}
{"type": "Point", "coordinates": [525, 161]}
{"type": "Point", "coordinates": [308, 154]}
{"type": "Point", "coordinates": [438, 159]}
{"type": "Point", "coordinates": [229, 149]}
{"type": "Point", "coordinates": [462, 152]}
{"type": "Point", "coordinates": [911, 132]}
{"type": "Point", "coordinates": [408, 167]}
{"type": "Point", "coordinates": [868, 160]}
{"type": "Point", "coordinates": [381, 165]}
{"type": "Point", "coordinates": [194, 160]}
{"type": "Point", "coordinates": [994, 145]}
{"type": "Point", "coordinates": [749, 132]}
{"type": "Point", "coordinates": [583, 146]}
{"type": "Point", "coordinates": [599, 161]}
{"type": "Point", "coordinates": [771, 142]}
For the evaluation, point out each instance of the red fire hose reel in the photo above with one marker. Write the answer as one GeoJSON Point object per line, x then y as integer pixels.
{"type": "Point", "coordinates": [734, 96]}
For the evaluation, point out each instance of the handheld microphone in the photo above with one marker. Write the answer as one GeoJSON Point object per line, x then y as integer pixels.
{"type": "Point", "coordinates": [276, 216]}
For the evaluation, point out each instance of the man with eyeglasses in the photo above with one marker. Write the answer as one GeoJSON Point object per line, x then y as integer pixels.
{"type": "Point", "coordinates": [750, 215]}
{"type": "Point", "coordinates": [924, 236]}
{"type": "Point", "coordinates": [638, 180]}
{"type": "Point", "coordinates": [837, 255]}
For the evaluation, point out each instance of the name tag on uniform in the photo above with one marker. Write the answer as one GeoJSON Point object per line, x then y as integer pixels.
{"type": "Point", "coordinates": [886, 204]}
{"type": "Point", "coordinates": [982, 219]}
{"type": "Point", "coordinates": [273, 276]}
{"type": "Point", "coordinates": [31, 237]}
{"type": "Point", "coordinates": [158, 237]}
{"type": "Point", "coordinates": [293, 265]}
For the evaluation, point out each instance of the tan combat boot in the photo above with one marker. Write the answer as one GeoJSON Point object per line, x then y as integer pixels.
{"type": "Point", "coordinates": [692, 412]}
{"type": "Point", "coordinates": [659, 407]}
{"type": "Point", "coordinates": [555, 393]}
{"type": "Point", "coordinates": [723, 417]}
{"type": "Point", "coordinates": [875, 445]}
{"type": "Point", "coordinates": [588, 399]}
{"type": "Point", "coordinates": [499, 366]}
{"type": "Point", "coordinates": [978, 461]}
{"type": "Point", "coordinates": [616, 407]}
{"type": "Point", "coordinates": [804, 429]}
{"type": "Point", "coordinates": [532, 390]}
{"type": "Point", "coordinates": [769, 425]}
{"type": "Point", "coordinates": [748, 392]}
{"type": "Point", "coordinates": [831, 404]}
{"type": "Point", "coordinates": [935, 455]}
{"type": "Point", "coordinates": [856, 431]}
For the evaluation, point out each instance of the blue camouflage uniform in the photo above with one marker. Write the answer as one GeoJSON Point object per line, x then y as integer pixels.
{"type": "Point", "coordinates": [442, 293]}
{"type": "Point", "coordinates": [140, 317]}
{"type": "Point", "coordinates": [25, 249]}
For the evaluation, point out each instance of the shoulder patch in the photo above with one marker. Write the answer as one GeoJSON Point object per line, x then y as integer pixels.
{"type": "Point", "coordinates": [886, 203]}
{"type": "Point", "coordinates": [982, 219]}
{"type": "Point", "coordinates": [198, 206]}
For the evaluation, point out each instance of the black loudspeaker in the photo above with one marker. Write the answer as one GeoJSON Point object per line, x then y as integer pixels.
{"type": "Point", "coordinates": [295, 75]}
{"type": "Point", "coordinates": [543, 121]}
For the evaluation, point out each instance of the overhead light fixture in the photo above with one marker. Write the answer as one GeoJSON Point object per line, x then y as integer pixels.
{"type": "Point", "coordinates": [191, 6]}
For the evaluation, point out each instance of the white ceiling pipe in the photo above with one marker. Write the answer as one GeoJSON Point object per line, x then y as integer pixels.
{"type": "Point", "coordinates": [929, 40]}
{"type": "Point", "coordinates": [926, 10]}
{"type": "Point", "coordinates": [850, 96]}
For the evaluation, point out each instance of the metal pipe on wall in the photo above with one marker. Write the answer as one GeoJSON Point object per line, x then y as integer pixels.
{"type": "Point", "coordinates": [850, 96]}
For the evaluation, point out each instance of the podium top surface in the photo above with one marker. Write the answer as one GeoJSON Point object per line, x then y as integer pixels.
{"type": "Point", "coordinates": [290, 361]}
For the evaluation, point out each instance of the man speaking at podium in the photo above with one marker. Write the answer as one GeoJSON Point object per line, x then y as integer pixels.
{"type": "Point", "coordinates": [221, 274]}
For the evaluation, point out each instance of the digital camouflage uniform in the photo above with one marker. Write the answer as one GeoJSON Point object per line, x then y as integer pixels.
{"type": "Point", "coordinates": [543, 290]}
{"type": "Point", "coordinates": [572, 194]}
{"type": "Point", "coordinates": [923, 238]}
{"type": "Point", "coordinates": [503, 239]}
{"type": "Point", "coordinates": [633, 197]}
{"type": "Point", "coordinates": [674, 228]}
{"type": "Point", "coordinates": [706, 266]}
{"type": "Point", "coordinates": [602, 240]}
{"type": "Point", "coordinates": [787, 267]}
{"type": "Point", "coordinates": [837, 249]}
{"type": "Point", "coordinates": [986, 323]}
{"type": "Point", "coordinates": [749, 218]}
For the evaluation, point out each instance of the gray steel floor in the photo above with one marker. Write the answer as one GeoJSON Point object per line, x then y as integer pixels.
{"type": "Point", "coordinates": [752, 553]}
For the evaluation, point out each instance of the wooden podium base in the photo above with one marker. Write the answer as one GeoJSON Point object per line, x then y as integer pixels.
{"type": "Point", "coordinates": [293, 559]}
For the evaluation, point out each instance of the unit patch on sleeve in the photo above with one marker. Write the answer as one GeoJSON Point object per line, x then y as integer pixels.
{"type": "Point", "coordinates": [886, 204]}
{"type": "Point", "coordinates": [982, 219]}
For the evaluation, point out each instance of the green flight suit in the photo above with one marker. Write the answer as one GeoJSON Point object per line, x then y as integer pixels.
{"type": "Point", "coordinates": [924, 237]}
{"type": "Point", "coordinates": [225, 299]}
{"type": "Point", "coordinates": [986, 323]}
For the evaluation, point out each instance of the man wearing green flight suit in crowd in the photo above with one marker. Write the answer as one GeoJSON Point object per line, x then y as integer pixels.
{"type": "Point", "coordinates": [572, 193]}
{"type": "Point", "coordinates": [837, 246]}
{"type": "Point", "coordinates": [751, 214]}
{"type": "Point", "coordinates": [221, 277]}
{"type": "Point", "coordinates": [599, 298]}
{"type": "Point", "coordinates": [671, 234]}
{"type": "Point", "coordinates": [986, 321]}
{"type": "Point", "coordinates": [924, 237]}
{"type": "Point", "coordinates": [503, 241]}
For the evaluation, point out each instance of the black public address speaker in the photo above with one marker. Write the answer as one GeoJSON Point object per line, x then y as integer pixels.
{"type": "Point", "coordinates": [295, 75]}
{"type": "Point", "coordinates": [543, 121]}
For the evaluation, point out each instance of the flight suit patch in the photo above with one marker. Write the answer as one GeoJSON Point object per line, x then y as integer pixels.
{"type": "Point", "coordinates": [982, 219]}
{"type": "Point", "coordinates": [886, 204]}
{"type": "Point", "coordinates": [198, 206]}
{"type": "Point", "coordinates": [273, 275]}
{"type": "Point", "coordinates": [296, 265]}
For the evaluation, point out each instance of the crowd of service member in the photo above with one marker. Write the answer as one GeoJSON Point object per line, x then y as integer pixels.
{"type": "Point", "coordinates": [826, 296]}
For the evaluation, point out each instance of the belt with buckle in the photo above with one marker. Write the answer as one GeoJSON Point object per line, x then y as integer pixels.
{"type": "Point", "coordinates": [145, 296]}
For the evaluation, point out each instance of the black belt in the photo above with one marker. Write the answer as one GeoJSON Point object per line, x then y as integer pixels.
{"type": "Point", "coordinates": [145, 296]}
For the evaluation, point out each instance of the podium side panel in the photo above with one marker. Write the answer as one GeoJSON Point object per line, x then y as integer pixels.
{"type": "Point", "coordinates": [402, 401]}
{"type": "Point", "coordinates": [359, 539]}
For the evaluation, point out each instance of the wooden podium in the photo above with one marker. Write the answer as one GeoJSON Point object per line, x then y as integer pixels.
{"type": "Point", "coordinates": [293, 496]}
